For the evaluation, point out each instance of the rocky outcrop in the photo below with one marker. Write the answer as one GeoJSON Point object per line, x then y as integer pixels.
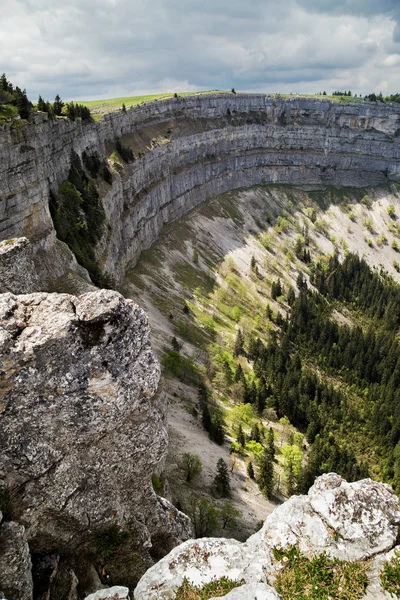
{"type": "Point", "coordinates": [349, 521]}
{"type": "Point", "coordinates": [82, 422]}
{"type": "Point", "coordinates": [15, 562]}
{"type": "Point", "coordinates": [115, 593]}
{"type": "Point", "coordinates": [216, 143]}
{"type": "Point", "coordinates": [17, 269]}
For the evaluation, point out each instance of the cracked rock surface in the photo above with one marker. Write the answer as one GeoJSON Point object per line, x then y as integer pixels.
{"type": "Point", "coordinates": [82, 420]}
{"type": "Point", "coordinates": [350, 521]}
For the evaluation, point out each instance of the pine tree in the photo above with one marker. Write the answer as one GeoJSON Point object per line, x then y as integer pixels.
{"type": "Point", "coordinates": [175, 344]}
{"type": "Point", "coordinates": [239, 375]}
{"type": "Point", "coordinates": [255, 433]}
{"type": "Point", "coordinates": [222, 479]}
{"type": "Point", "coordinates": [238, 348]}
{"type": "Point", "coordinates": [217, 428]}
{"type": "Point", "coordinates": [266, 474]}
{"type": "Point", "coordinates": [250, 470]}
{"type": "Point", "coordinates": [271, 442]}
{"type": "Point", "coordinates": [240, 436]}
{"type": "Point", "coordinates": [58, 105]}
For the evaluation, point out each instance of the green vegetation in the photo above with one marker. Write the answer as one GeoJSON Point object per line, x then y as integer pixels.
{"type": "Point", "coordinates": [213, 589]}
{"type": "Point", "coordinates": [192, 466]}
{"type": "Point", "coordinates": [158, 484]}
{"type": "Point", "coordinates": [222, 479]}
{"type": "Point", "coordinates": [113, 104]}
{"type": "Point", "coordinates": [14, 101]}
{"type": "Point", "coordinates": [78, 216]}
{"type": "Point", "coordinates": [319, 578]}
{"type": "Point", "coordinates": [390, 575]}
{"type": "Point", "coordinates": [181, 367]}
{"type": "Point", "coordinates": [391, 211]}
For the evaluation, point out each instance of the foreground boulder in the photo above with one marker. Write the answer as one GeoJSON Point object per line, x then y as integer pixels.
{"type": "Point", "coordinates": [15, 562]}
{"type": "Point", "coordinates": [82, 425]}
{"type": "Point", "coordinates": [350, 521]}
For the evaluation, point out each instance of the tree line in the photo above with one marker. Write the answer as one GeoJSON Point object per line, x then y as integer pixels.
{"type": "Point", "coordinates": [18, 98]}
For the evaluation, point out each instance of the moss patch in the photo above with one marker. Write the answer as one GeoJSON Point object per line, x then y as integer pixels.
{"type": "Point", "coordinates": [213, 589]}
{"type": "Point", "coordinates": [390, 575]}
{"type": "Point", "coordinates": [319, 578]}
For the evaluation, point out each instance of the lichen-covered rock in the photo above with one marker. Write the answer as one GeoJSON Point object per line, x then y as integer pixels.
{"type": "Point", "coordinates": [15, 563]}
{"type": "Point", "coordinates": [116, 592]}
{"type": "Point", "coordinates": [350, 521]}
{"type": "Point", "coordinates": [82, 420]}
{"type": "Point", "coordinates": [17, 269]}
{"type": "Point", "coordinates": [252, 591]}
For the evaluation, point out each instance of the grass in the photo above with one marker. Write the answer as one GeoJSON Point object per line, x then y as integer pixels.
{"type": "Point", "coordinates": [7, 111]}
{"type": "Point", "coordinates": [319, 578]}
{"type": "Point", "coordinates": [213, 589]}
{"type": "Point", "coordinates": [113, 104]}
{"type": "Point", "coordinates": [390, 575]}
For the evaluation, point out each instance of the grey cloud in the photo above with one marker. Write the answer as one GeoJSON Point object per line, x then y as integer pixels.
{"type": "Point", "coordinates": [92, 48]}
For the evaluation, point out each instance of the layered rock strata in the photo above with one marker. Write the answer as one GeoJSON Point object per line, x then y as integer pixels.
{"type": "Point", "coordinates": [349, 521]}
{"type": "Point", "coordinates": [216, 143]}
{"type": "Point", "coordinates": [82, 422]}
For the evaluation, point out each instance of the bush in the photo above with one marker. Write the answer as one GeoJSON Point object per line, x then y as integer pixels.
{"type": "Point", "coordinates": [391, 211]}
{"type": "Point", "coordinates": [158, 484]}
{"type": "Point", "coordinates": [192, 466]}
{"type": "Point", "coordinates": [213, 589]}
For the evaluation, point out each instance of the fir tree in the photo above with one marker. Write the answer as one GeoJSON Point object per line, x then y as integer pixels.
{"type": "Point", "coordinates": [271, 442]}
{"type": "Point", "coordinates": [266, 474]}
{"type": "Point", "coordinates": [240, 436]}
{"type": "Point", "coordinates": [222, 479]}
{"type": "Point", "coordinates": [238, 349]}
{"type": "Point", "coordinates": [250, 470]}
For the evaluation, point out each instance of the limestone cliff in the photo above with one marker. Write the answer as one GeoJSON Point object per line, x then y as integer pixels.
{"type": "Point", "coordinates": [216, 143]}
{"type": "Point", "coordinates": [82, 426]}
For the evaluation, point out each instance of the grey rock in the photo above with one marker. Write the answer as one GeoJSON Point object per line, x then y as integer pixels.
{"type": "Point", "coordinates": [17, 269]}
{"type": "Point", "coordinates": [116, 592]}
{"type": "Point", "coordinates": [252, 591]}
{"type": "Point", "coordinates": [15, 563]}
{"type": "Point", "coordinates": [350, 521]}
{"type": "Point", "coordinates": [82, 420]}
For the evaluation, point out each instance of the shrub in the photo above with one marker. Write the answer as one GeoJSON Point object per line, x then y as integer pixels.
{"type": "Point", "coordinates": [213, 589]}
{"type": "Point", "coordinates": [158, 484]}
{"type": "Point", "coordinates": [192, 466]}
{"type": "Point", "coordinates": [391, 211]}
{"type": "Point", "coordinates": [366, 200]}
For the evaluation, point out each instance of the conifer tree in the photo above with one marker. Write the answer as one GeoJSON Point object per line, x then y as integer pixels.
{"type": "Point", "coordinates": [250, 470]}
{"type": "Point", "coordinates": [266, 474]}
{"type": "Point", "coordinates": [222, 479]}
{"type": "Point", "coordinates": [238, 349]}
{"type": "Point", "coordinates": [271, 442]}
{"type": "Point", "coordinates": [240, 436]}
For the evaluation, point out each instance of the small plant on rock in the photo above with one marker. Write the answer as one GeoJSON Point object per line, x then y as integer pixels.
{"type": "Point", "coordinates": [319, 578]}
{"type": "Point", "coordinates": [213, 589]}
{"type": "Point", "coordinates": [390, 575]}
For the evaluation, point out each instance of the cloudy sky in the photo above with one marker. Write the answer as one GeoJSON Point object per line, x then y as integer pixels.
{"type": "Point", "coordinates": [88, 49]}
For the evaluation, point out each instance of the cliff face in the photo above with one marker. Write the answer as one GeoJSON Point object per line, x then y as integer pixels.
{"type": "Point", "coordinates": [82, 423]}
{"type": "Point", "coordinates": [217, 143]}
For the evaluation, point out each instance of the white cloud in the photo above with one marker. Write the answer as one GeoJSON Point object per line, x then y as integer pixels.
{"type": "Point", "coordinates": [103, 48]}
